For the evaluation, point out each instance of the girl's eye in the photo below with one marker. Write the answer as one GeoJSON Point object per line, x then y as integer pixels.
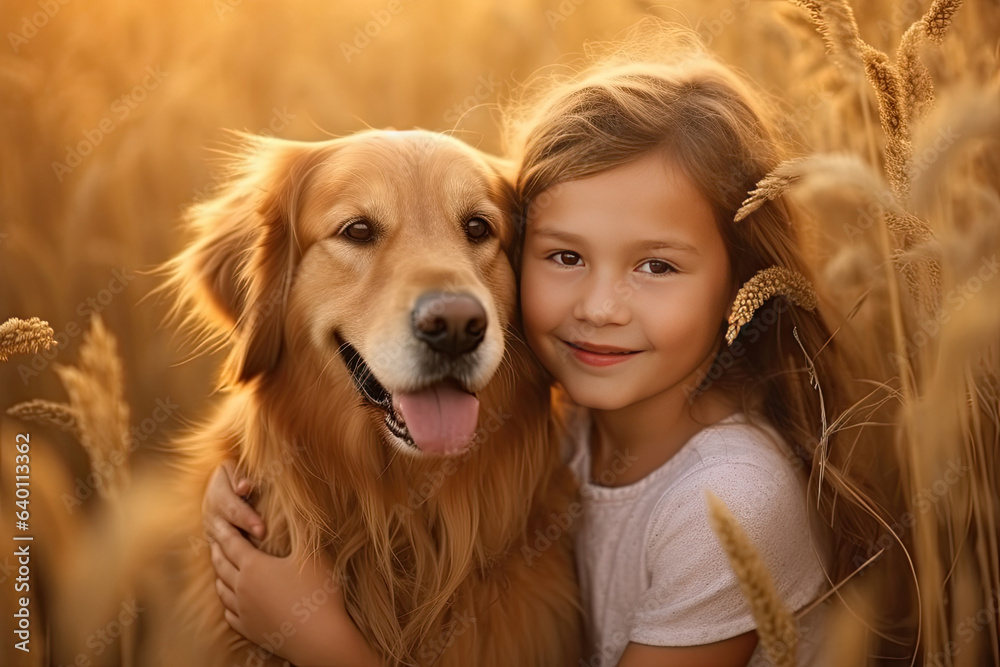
{"type": "Point", "coordinates": [657, 267]}
{"type": "Point", "coordinates": [566, 258]}
{"type": "Point", "coordinates": [360, 231]}
{"type": "Point", "coordinates": [477, 228]}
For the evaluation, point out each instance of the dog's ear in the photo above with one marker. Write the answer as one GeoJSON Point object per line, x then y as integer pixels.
{"type": "Point", "coordinates": [233, 280]}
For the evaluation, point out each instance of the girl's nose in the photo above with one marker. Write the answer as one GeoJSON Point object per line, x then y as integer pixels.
{"type": "Point", "coordinates": [603, 301]}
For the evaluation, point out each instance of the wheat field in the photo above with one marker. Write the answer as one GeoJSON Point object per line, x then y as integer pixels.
{"type": "Point", "coordinates": [114, 117]}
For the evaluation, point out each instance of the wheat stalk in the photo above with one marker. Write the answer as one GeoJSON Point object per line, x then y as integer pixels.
{"type": "Point", "coordinates": [776, 626]}
{"type": "Point", "coordinates": [50, 413]}
{"type": "Point", "coordinates": [837, 26]}
{"type": "Point", "coordinates": [96, 394]}
{"type": "Point", "coordinates": [19, 336]}
{"type": "Point", "coordinates": [904, 89]}
{"type": "Point", "coordinates": [761, 287]}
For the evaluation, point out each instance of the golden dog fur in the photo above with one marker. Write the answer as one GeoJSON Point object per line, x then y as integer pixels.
{"type": "Point", "coordinates": [436, 554]}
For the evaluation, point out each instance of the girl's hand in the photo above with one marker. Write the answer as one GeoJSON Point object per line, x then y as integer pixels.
{"type": "Point", "coordinates": [292, 606]}
{"type": "Point", "coordinates": [222, 501]}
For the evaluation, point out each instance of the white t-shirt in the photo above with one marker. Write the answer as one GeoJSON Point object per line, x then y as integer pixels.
{"type": "Point", "coordinates": [651, 569]}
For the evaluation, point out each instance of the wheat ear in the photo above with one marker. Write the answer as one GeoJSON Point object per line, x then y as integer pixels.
{"type": "Point", "coordinates": [893, 116]}
{"type": "Point", "coordinates": [776, 627]}
{"type": "Point", "coordinates": [843, 169]}
{"type": "Point", "coordinates": [918, 87]}
{"type": "Point", "coordinates": [41, 411]}
{"type": "Point", "coordinates": [837, 26]}
{"type": "Point", "coordinates": [19, 336]}
{"type": "Point", "coordinates": [761, 287]}
{"type": "Point", "coordinates": [96, 393]}
{"type": "Point", "coordinates": [772, 186]}
{"type": "Point", "coordinates": [938, 18]}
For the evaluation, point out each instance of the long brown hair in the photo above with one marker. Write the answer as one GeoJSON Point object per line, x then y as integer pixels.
{"type": "Point", "coordinates": [719, 130]}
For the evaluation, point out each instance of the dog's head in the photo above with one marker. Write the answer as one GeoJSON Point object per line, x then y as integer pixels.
{"type": "Point", "coordinates": [382, 257]}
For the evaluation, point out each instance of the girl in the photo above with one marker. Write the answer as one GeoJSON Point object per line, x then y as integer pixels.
{"type": "Point", "coordinates": [629, 182]}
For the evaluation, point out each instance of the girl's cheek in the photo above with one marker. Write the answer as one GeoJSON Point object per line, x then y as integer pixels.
{"type": "Point", "coordinates": [534, 303]}
{"type": "Point", "coordinates": [529, 298]}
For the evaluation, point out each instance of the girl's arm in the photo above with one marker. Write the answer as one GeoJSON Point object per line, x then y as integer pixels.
{"type": "Point", "coordinates": [732, 652]}
{"type": "Point", "coordinates": [292, 606]}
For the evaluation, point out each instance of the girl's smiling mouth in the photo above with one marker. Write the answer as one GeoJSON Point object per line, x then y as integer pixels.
{"type": "Point", "coordinates": [599, 355]}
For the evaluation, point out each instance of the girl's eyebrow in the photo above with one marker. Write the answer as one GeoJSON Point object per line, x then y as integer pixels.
{"type": "Point", "coordinates": [665, 244]}
{"type": "Point", "coordinates": [559, 236]}
{"type": "Point", "coordinates": [657, 244]}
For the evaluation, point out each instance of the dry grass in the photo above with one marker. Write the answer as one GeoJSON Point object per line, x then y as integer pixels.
{"type": "Point", "coordinates": [776, 628]}
{"type": "Point", "coordinates": [773, 281]}
{"type": "Point", "coordinates": [40, 411]}
{"type": "Point", "coordinates": [19, 336]}
{"type": "Point", "coordinates": [96, 397]}
{"type": "Point", "coordinates": [886, 98]}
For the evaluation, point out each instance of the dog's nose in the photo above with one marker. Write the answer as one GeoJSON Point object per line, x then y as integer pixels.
{"type": "Point", "coordinates": [450, 323]}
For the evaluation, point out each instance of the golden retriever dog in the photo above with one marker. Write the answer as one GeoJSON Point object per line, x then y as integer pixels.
{"type": "Point", "coordinates": [379, 395]}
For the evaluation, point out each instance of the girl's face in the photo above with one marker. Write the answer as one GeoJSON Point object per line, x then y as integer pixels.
{"type": "Point", "coordinates": [625, 283]}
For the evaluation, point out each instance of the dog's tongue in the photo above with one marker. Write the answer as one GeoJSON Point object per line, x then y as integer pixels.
{"type": "Point", "coordinates": [441, 418]}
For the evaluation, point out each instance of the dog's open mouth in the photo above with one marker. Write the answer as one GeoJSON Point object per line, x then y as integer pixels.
{"type": "Point", "coordinates": [438, 419]}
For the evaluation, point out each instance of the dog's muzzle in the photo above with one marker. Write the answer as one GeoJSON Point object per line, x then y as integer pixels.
{"type": "Point", "coordinates": [440, 417]}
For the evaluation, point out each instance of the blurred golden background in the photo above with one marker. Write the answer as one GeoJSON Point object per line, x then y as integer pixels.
{"type": "Point", "coordinates": [112, 113]}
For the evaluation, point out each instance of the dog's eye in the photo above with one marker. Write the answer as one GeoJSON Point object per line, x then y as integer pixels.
{"type": "Point", "coordinates": [477, 228]}
{"type": "Point", "coordinates": [360, 230]}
